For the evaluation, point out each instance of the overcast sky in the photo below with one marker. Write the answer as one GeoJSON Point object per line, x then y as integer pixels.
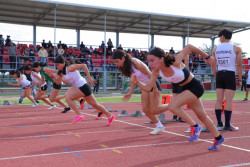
{"type": "Point", "coordinates": [213, 9]}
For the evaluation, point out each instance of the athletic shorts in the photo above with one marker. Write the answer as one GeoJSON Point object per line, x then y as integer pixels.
{"type": "Point", "coordinates": [195, 86]}
{"type": "Point", "coordinates": [158, 85]}
{"type": "Point", "coordinates": [26, 87]}
{"type": "Point", "coordinates": [225, 80]}
{"type": "Point", "coordinates": [86, 89]}
{"type": "Point", "coordinates": [58, 87]}
{"type": "Point", "coordinates": [176, 88]}
{"type": "Point", "coordinates": [44, 87]}
{"type": "Point", "coordinates": [248, 85]}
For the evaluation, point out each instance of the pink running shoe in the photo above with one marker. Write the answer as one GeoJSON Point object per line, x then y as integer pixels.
{"type": "Point", "coordinates": [110, 120]}
{"type": "Point", "coordinates": [78, 119]}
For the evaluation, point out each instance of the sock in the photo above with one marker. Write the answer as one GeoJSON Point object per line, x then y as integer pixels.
{"type": "Point", "coordinates": [159, 124]}
{"type": "Point", "coordinates": [218, 138]}
{"type": "Point", "coordinates": [218, 116]}
{"type": "Point", "coordinates": [228, 115]}
{"type": "Point", "coordinates": [196, 125]}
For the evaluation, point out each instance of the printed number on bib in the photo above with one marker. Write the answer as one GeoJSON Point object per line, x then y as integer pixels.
{"type": "Point", "coordinates": [224, 62]}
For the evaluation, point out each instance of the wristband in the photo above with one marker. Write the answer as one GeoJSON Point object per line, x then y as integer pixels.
{"type": "Point", "coordinates": [208, 57]}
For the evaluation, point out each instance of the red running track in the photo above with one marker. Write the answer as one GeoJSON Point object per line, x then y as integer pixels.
{"type": "Point", "coordinates": [40, 137]}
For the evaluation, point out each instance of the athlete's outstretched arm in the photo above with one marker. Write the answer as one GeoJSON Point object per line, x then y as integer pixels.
{"type": "Point", "coordinates": [146, 87]}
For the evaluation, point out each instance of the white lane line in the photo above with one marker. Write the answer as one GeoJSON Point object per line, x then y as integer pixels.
{"type": "Point", "coordinates": [66, 134]}
{"type": "Point", "coordinates": [237, 148]}
{"type": "Point", "coordinates": [235, 165]}
{"type": "Point", "coordinates": [101, 149]}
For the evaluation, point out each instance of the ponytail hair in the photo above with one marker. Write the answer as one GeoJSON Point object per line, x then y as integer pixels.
{"type": "Point", "coordinates": [13, 72]}
{"type": "Point", "coordinates": [126, 70]}
{"type": "Point", "coordinates": [169, 60]}
{"type": "Point", "coordinates": [158, 52]}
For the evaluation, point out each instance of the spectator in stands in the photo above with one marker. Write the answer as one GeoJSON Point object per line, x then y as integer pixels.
{"type": "Point", "coordinates": [91, 50]}
{"type": "Point", "coordinates": [244, 81]}
{"type": "Point", "coordinates": [120, 47]}
{"type": "Point", "coordinates": [190, 62]}
{"type": "Point", "coordinates": [59, 44]}
{"type": "Point", "coordinates": [89, 63]}
{"type": "Point", "coordinates": [1, 40]}
{"type": "Point", "coordinates": [110, 45]}
{"type": "Point", "coordinates": [60, 51]}
{"type": "Point", "coordinates": [82, 47]}
{"type": "Point", "coordinates": [103, 46]}
{"type": "Point", "coordinates": [1, 55]}
{"type": "Point", "coordinates": [19, 56]}
{"type": "Point", "coordinates": [96, 76]}
{"type": "Point", "coordinates": [196, 62]}
{"type": "Point", "coordinates": [247, 76]}
{"type": "Point", "coordinates": [49, 44]}
{"type": "Point", "coordinates": [44, 44]}
{"type": "Point", "coordinates": [32, 52]}
{"type": "Point", "coordinates": [26, 54]}
{"type": "Point", "coordinates": [12, 55]}
{"type": "Point", "coordinates": [8, 41]}
{"type": "Point", "coordinates": [50, 52]}
{"type": "Point", "coordinates": [43, 55]}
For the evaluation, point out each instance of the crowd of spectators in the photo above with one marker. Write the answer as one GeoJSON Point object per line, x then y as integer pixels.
{"type": "Point", "coordinates": [16, 55]}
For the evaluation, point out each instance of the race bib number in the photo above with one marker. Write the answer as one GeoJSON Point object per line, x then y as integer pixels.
{"type": "Point", "coordinates": [224, 62]}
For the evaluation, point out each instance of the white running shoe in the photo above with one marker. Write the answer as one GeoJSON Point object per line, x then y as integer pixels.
{"type": "Point", "coordinates": [51, 107]}
{"type": "Point", "coordinates": [34, 105]}
{"type": "Point", "coordinates": [157, 130]}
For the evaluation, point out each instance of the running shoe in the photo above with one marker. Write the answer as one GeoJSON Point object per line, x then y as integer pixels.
{"type": "Point", "coordinates": [66, 110]}
{"type": "Point", "coordinates": [231, 128]}
{"type": "Point", "coordinates": [157, 130]}
{"type": "Point", "coordinates": [34, 105]}
{"type": "Point", "coordinates": [78, 119]}
{"type": "Point", "coordinates": [110, 120]}
{"type": "Point", "coordinates": [217, 143]}
{"type": "Point", "coordinates": [195, 132]}
{"type": "Point", "coordinates": [245, 99]}
{"type": "Point", "coordinates": [82, 103]}
{"type": "Point", "coordinates": [99, 116]}
{"type": "Point", "coordinates": [52, 106]}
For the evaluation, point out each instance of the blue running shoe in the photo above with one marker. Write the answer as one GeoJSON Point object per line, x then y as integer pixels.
{"type": "Point", "coordinates": [195, 132]}
{"type": "Point", "coordinates": [217, 143]}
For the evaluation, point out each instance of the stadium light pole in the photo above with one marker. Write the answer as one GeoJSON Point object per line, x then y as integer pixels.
{"type": "Point", "coordinates": [104, 65]}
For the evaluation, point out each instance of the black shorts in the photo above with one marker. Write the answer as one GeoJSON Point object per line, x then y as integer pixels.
{"type": "Point", "coordinates": [225, 80]}
{"type": "Point", "coordinates": [195, 86]}
{"type": "Point", "coordinates": [58, 87]}
{"type": "Point", "coordinates": [86, 89]}
{"type": "Point", "coordinates": [248, 85]}
{"type": "Point", "coordinates": [44, 87]}
{"type": "Point", "coordinates": [26, 87]}
{"type": "Point", "coordinates": [176, 88]}
{"type": "Point", "coordinates": [158, 85]}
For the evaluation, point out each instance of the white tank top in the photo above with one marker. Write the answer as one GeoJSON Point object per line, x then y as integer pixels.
{"type": "Point", "coordinates": [225, 57]}
{"type": "Point", "coordinates": [24, 81]}
{"type": "Point", "coordinates": [141, 76]}
{"type": "Point", "coordinates": [248, 78]}
{"type": "Point", "coordinates": [176, 78]}
{"type": "Point", "coordinates": [35, 80]}
{"type": "Point", "coordinates": [74, 78]}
